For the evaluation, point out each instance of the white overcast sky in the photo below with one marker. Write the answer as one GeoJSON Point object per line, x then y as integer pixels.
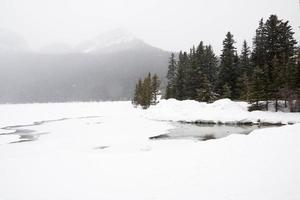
{"type": "Point", "coordinates": [168, 24]}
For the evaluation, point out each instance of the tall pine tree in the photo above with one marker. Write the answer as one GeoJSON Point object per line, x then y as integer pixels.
{"type": "Point", "coordinates": [227, 69]}
{"type": "Point", "coordinates": [171, 76]}
{"type": "Point", "coordinates": [244, 72]}
{"type": "Point", "coordinates": [180, 83]}
{"type": "Point", "coordinates": [274, 41]}
{"type": "Point", "coordinates": [155, 83]}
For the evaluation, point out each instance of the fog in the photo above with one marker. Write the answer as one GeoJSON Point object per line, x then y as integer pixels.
{"type": "Point", "coordinates": [28, 77]}
{"type": "Point", "coordinates": [168, 24]}
{"type": "Point", "coordinates": [91, 50]}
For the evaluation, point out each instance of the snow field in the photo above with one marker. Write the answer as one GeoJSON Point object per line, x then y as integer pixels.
{"type": "Point", "coordinates": [102, 151]}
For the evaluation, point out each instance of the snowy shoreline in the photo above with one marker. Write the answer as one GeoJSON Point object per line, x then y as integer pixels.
{"type": "Point", "coordinates": [221, 112]}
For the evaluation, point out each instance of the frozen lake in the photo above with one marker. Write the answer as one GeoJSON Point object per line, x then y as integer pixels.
{"type": "Point", "coordinates": [202, 132]}
{"type": "Point", "coordinates": [102, 151]}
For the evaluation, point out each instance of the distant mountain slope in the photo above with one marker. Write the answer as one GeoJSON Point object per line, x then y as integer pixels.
{"type": "Point", "coordinates": [106, 72]}
{"type": "Point", "coordinates": [112, 41]}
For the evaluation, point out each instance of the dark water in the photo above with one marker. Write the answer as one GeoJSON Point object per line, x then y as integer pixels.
{"type": "Point", "coordinates": [205, 131]}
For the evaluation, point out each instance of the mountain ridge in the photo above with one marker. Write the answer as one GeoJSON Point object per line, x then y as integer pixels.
{"type": "Point", "coordinates": [106, 74]}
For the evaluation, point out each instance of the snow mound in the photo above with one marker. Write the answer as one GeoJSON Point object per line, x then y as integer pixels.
{"type": "Point", "coordinates": [221, 111]}
{"type": "Point", "coordinates": [227, 104]}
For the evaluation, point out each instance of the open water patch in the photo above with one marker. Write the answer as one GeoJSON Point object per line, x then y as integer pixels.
{"type": "Point", "coordinates": [205, 132]}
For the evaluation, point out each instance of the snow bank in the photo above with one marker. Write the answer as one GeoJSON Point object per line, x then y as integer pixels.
{"type": "Point", "coordinates": [221, 111]}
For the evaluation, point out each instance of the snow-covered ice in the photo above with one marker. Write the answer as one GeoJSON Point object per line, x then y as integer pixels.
{"type": "Point", "coordinates": [102, 151]}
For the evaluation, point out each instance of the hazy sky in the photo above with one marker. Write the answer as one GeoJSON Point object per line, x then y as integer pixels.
{"type": "Point", "coordinates": [168, 24]}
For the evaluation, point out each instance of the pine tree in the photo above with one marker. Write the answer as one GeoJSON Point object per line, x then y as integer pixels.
{"type": "Point", "coordinates": [245, 82]}
{"type": "Point", "coordinates": [297, 62]}
{"type": "Point", "coordinates": [194, 71]}
{"type": "Point", "coordinates": [235, 89]}
{"type": "Point", "coordinates": [134, 100]}
{"type": "Point", "coordinates": [155, 83]}
{"type": "Point", "coordinates": [288, 90]}
{"type": "Point", "coordinates": [259, 46]}
{"type": "Point", "coordinates": [210, 63]}
{"type": "Point", "coordinates": [227, 71]}
{"type": "Point", "coordinates": [257, 92]}
{"type": "Point", "coordinates": [274, 40]}
{"type": "Point", "coordinates": [280, 46]}
{"type": "Point", "coordinates": [226, 91]}
{"type": "Point", "coordinates": [205, 92]}
{"type": "Point", "coordinates": [259, 60]}
{"type": "Point", "coordinates": [297, 81]}
{"type": "Point", "coordinates": [189, 76]}
{"type": "Point", "coordinates": [244, 72]}
{"type": "Point", "coordinates": [171, 76]}
{"type": "Point", "coordinates": [137, 93]}
{"type": "Point", "coordinates": [245, 66]}
{"type": "Point", "coordinates": [147, 92]}
{"type": "Point", "coordinates": [279, 41]}
{"type": "Point", "coordinates": [199, 58]}
{"type": "Point", "coordinates": [277, 84]}
{"type": "Point", "coordinates": [180, 83]}
{"type": "Point", "coordinates": [168, 94]}
{"type": "Point", "coordinates": [199, 67]}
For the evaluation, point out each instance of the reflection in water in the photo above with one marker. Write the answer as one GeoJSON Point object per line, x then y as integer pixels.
{"type": "Point", "coordinates": [205, 131]}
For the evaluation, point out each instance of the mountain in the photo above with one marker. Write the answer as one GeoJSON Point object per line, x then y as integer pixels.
{"type": "Point", "coordinates": [112, 41]}
{"type": "Point", "coordinates": [57, 48]}
{"type": "Point", "coordinates": [103, 68]}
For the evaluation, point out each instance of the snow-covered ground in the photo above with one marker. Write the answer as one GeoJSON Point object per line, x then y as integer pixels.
{"type": "Point", "coordinates": [102, 151]}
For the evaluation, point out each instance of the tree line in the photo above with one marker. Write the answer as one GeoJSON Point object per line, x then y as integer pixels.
{"type": "Point", "coordinates": [270, 71]}
{"type": "Point", "coordinates": [146, 91]}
